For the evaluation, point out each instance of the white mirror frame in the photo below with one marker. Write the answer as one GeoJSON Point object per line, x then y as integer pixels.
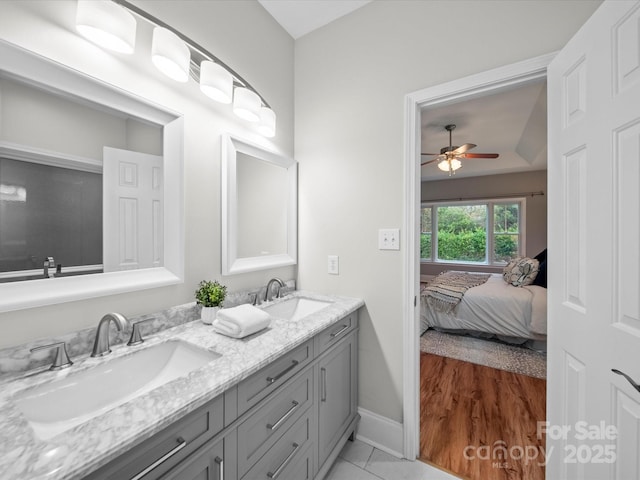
{"type": "Point", "coordinates": [231, 264]}
{"type": "Point", "coordinates": [23, 65]}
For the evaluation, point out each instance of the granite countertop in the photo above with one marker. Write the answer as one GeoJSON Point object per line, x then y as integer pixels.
{"type": "Point", "coordinates": [84, 448]}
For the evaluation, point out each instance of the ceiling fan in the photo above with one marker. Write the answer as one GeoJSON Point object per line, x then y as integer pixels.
{"type": "Point", "coordinates": [449, 157]}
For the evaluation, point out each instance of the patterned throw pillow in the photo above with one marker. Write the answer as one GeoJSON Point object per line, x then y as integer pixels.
{"type": "Point", "coordinates": [523, 272]}
{"type": "Point", "coordinates": [506, 272]}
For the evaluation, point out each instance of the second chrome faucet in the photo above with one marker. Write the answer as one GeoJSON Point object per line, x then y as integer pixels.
{"type": "Point", "coordinates": [101, 343]}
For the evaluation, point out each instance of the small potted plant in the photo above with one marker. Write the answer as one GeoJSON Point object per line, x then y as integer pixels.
{"type": "Point", "coordinates": [210, 295]}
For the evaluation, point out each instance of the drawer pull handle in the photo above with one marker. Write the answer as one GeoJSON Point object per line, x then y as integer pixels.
{"type": "Point", "coordinates": [282, 466]}
{"type": "Point", "coordinates": [323, 374]}
{"type": "Point", "coordinates": [181, 444]}
{"type": "Point", "coordinates": [276, 425]}
{"type": "Point", "coordinates": [335, 334]}
{"type": "Point", "coordinates": [220, 463]}
{"type": "Point", "coordinates": [293, 365]}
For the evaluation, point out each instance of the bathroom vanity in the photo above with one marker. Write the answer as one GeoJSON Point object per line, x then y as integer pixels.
{"type": "Point", "coordinates": [277, 405]}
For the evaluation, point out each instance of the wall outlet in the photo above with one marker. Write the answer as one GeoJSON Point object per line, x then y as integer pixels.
{"type": "Point", "coordinates": [389, 239]}
{"type": "Point", "coordinates": [334, 265]}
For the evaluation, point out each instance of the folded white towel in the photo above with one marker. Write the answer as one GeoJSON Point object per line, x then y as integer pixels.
{"type": "Point", "coordinates": [241, 321]}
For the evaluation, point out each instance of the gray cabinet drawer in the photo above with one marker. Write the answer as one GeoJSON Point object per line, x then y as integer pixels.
{"type": "Point", "coordinates": [261, 384]}
{"type": "Point", "coordinates": [266, 425]}
{"type": "Point", "coordinates": [301, 468]}
{"type": "Point", "coordinates": [209, 463]}
{"type": "Point", "coordinates": [174, 443]}
{"type": "Point", "coordinates": [332, 335]}
{"type": "Point", "coordinates": [280, 461]}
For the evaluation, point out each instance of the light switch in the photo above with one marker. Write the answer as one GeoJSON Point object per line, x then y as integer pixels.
{"type": "Point", "coordinates": [334, 265]}
{"type": "Point", "coordinates": [389, 239]}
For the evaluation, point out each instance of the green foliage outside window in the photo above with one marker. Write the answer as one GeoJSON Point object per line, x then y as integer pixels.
{"type": "Point", "coordinates": [462, 232]}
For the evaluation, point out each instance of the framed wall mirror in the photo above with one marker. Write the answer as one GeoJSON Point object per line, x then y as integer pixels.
{"type": "Point", "coordinates": [89, 177]}
{"type": "Point", "coordinates": [259, 207]}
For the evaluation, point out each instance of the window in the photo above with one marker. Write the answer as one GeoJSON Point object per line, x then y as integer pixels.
{"type": "Point", "coordinates": [480, 233]}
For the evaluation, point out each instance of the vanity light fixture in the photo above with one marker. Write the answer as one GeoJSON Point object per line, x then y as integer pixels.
{"type": "Point", "coordinates": [246, 104]}
{"type": "Point", "coordinates": [111, 24]}
{"type": "Point", "coordinates": [106, 24]}
{"type": "Point", "coordinates": [170, 55]}
{"type": "Point", "coordinates": [216, 82]}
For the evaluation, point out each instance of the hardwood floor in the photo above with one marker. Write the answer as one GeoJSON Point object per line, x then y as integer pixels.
{"type": "Point", "coordinates": [479, 422]}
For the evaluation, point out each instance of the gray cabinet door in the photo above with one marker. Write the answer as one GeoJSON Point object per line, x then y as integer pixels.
{"type": "Point", "coordinates": [337, 390]}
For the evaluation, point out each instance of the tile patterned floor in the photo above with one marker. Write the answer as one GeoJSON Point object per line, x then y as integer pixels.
{"type": "Point", "coordinates": [360, 461]}
{"type": "Point", "coordinates": [485, 352]}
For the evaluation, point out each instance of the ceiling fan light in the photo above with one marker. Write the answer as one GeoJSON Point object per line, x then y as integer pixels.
{"type": "Point", "coordinates": [444, 165]}
{"type": "Point", "coordinates": [267, 126]}
{"type": "Point", "coordinates": [216, 82]}
{"type": "Point", "coordinates": [106, 24]}
{"type": "Point", "coordinates": [455, 164]}
{"type": "Point", "coordinates": [246, 104]}
{"type": "Point", "coordinates": [170, 55]}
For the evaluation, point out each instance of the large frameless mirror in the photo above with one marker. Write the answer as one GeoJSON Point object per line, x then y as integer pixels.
{"type": "Point", "coordinates": [259, 211]}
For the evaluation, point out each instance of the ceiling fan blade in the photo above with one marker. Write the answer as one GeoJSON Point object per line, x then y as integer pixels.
{"type": "Point", "coordinates": [431, 161]}
{"type": "Point", "coordinates": [464, 148]}
{"type": "Point", "coordinates": [430, 154]}
{"type": "Point", "coordinates": [480, 155]}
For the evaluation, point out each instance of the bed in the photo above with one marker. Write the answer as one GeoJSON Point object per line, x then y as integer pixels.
{"type": "Point", "coordinates": [494, 308]}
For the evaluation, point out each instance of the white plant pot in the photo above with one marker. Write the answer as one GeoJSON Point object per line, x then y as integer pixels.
{"type": "Point", "coordinates": [208, 314]}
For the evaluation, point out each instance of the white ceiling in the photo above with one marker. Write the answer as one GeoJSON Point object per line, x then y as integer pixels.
{"type": "Point", "coordinates": [299, 17]}
{"type": "Point", "coordinates": [511, 123]}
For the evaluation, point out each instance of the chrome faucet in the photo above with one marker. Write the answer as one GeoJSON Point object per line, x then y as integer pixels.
{"type": "Point", "coordinates": [268, 296]}
{"type": "Point", "coordinates": [101, 343]}
{"type": "Point", "coordinates": [49, 262]}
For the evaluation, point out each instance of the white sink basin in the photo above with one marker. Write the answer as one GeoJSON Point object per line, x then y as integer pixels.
{"type": "Point", "coordinates": [296, 308]}
{"type": "Point", "coordinates": [55, 407]}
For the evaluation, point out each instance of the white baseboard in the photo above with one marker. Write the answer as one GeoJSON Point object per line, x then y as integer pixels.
{"type": "Point", "coordinates": [380, 432]}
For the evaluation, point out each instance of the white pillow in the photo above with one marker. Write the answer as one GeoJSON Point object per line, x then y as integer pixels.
{"type": "Point", "coordinates": [506, 272]}
{"type": "Point", "coordinates": [523, 272]}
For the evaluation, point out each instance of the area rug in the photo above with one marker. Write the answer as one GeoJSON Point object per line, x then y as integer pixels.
{"type": "Point", "coordinates": [489, 353]}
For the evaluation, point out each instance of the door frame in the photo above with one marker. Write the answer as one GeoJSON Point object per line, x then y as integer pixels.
{"type": "Point", "coordinates": [478, 85]}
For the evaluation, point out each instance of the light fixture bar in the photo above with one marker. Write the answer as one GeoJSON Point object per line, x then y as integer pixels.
{"type": "Point", "coordinates": [198, 52]}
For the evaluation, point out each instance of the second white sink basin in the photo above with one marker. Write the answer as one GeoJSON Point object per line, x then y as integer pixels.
{"type": "Point", "coordinates": [55, 407]}
{"type": "Point", "coordinates": [296, 308]}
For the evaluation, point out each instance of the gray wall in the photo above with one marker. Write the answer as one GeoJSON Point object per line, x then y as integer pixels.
{"type": "Point", "coordinates": [351, 80]}
{"type": "Point", "coordinates": [486, 187]}
{"type": "Point", "coordinates": [34, 117]}
{"type": "Point", "coordinates": [243, 35]}
{"type": "Point", "coordinates": [60, 217]}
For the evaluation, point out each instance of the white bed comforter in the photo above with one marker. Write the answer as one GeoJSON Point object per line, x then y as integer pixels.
{"type": "Point", "coordinates": [495, 307]}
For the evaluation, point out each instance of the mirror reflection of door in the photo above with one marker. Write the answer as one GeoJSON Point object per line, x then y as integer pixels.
{"type": "Point", "coordinates": [51, 183]}
{"type": "Point", "coordinates": [132, 210]}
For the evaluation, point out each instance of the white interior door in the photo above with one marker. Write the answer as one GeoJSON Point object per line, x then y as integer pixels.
{"type": "Point", "coordinates": [132, 210]}
{"type": "Point", "coordinates": [594, 238]}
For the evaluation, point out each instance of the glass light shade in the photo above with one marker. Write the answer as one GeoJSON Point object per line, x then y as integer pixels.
{"type": "Point", "coordinates": [267, 126]}
{"type": "Point", "coordinates": [170, 54]}
{"type": "Point", "coordinates": [246, 104]}
{"type": "Point", "coordinates": [216, 82]}
{"type": "Point", "coordinates": [453, 164]}
{"type": "Point", "coordinates": [106, 24]}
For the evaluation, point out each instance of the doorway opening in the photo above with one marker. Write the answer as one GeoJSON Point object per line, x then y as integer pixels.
{"type": "Point", "coordinates": [450, 93]}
